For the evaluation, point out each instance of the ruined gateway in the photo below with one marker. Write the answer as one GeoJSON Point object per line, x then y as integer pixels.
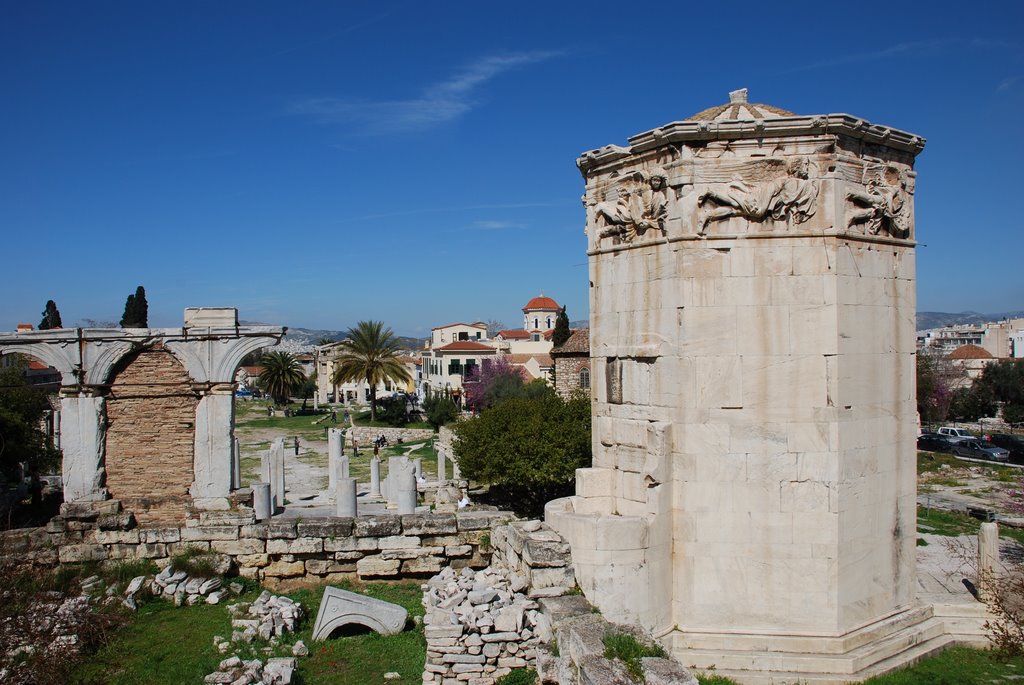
{"type": "Point", "coordinates": [752, 302]}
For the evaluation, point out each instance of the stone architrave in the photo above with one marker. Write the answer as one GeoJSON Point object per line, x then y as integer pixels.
{"type": "Point", "coordinates": [340, 608]}
{"type": "Point", "coordinates": [752, 495]}
{"type": "Point", "coordinates": [375, 477]}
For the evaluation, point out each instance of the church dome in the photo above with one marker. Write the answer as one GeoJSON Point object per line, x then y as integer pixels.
{"type": "Point", "coordinates": [739, 109]}
{"type": "Point", "coordinates": [541, 302]}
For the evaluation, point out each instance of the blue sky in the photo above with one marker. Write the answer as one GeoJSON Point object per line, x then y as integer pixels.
{"type": "Point", "coordinates": [318, 163]}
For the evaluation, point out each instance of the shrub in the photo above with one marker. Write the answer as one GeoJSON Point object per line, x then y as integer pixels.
{"type": "Point", "coordinates": [439, 410]}
{"type": "Point", "coordinates": [529, 448]}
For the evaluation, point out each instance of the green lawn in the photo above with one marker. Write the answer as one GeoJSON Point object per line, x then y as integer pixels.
{"type": "Point", "coordinates": [168, 645]}
{"type": "Point", "coordinates": [955, 666]}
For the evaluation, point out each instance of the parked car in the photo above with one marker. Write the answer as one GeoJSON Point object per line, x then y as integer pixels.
{"type": "Point", "coordinates": [980, 449]}
{"type": "Point", "coordinates": [1014, 444]}
{"type": "Point", "coordinates": [956, 434]}
{"type": "Point", "coordinates": [933, 442]}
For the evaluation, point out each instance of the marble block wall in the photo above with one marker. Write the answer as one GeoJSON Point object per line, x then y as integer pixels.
{"type": "Point", "coordinates": [752, 307]}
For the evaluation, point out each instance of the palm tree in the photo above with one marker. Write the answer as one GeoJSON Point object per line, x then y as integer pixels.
{"type": "Point", "coordinates": [369, 353]}
{"type": "Point", "coordinates": [281, 375]}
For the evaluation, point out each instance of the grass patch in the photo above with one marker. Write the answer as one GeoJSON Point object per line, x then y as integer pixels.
{"type": "Point", "coordinates": [955, 666]}
{"type": "Point", "coordinates": [196, 563]}
{"type": "Point", "coordinates": [171, 645]}
{"type": "Point", "coordinates": [627, 649]}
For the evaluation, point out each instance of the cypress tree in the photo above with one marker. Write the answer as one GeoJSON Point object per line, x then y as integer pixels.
{"type": "Point", "coordinates": [136, 310]}
{"type": "Point", "coordinates": [51, 317]}
{"type": "Point", "coordinates": [561, 332]}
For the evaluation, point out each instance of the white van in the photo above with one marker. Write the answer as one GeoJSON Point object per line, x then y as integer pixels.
{"type": "Point", "coordinates": [955, 434]}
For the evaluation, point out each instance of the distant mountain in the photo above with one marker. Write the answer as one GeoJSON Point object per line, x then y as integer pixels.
{"type": "Point", "coordinates": [581, 323]}
{"type": "Point", "coordinates": [305, 339]}
{"type": "Point", "coordinates": [928, 320]}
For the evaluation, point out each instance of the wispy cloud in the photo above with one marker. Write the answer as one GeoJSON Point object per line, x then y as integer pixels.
{"type": "Point", "coordinates": [1006, 84]}
{"type": "Point", "coordinates": [909, 49]}
{"type": "Point", "coordinates": [437, 104]}
{"type": "Point", "coordinates": [492, 225]}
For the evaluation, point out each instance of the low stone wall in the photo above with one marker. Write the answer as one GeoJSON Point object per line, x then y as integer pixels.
{"type": "Point", "coordinates": [278, 551]}
{"type": "Point", "coordinates": [366, 435]}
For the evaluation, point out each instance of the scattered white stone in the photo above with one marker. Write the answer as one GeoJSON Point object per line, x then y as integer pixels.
{"type": "Point", "coordinates": [300, 648]}
{"type": "Point", "coordinates": [392, 675]}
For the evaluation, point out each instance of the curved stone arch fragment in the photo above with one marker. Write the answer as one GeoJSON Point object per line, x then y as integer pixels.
{"type": "Point", "coordinates": [339, 608]}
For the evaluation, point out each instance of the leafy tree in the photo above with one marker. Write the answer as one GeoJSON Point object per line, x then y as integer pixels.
{"type": "Point", "coordinates": [281, 376]}
{"type": "Point", "coordinates": [21, 439]}
{"type": "Point", "coordinates": [393, 410]}
{"type": "Point", "coordinates": [51, 317]}
{"type": "Point", "coordinates": [1004, 380]}
{"type": "Point", "coordinates": [562, 331]}
{"type": "Point", "coordinates": [496, 380]}
{"type": "Point", "coordinates": [971, 404]}
{"type": "Point", "coordinates": [136, 310]}
{"type": "Point", "coordinates": [937, 379]}
{"type": "Point", "coordinates": [439, 410]}
{"type": "Point", "coordinates": [369, 353]}
{"type": "Point", "coordinates": [528, 446]}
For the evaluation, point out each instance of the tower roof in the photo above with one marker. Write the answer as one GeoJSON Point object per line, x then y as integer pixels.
{"type": "Point", "coordinates": [739, 109]}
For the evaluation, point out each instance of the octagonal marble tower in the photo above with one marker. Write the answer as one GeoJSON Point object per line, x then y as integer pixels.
{"type": "Point", "coordinates": [752, 310]}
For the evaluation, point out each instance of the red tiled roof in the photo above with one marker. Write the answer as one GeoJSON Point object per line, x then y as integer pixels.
{"type": "Point", "coordinates": [253, 370]}
{"type": "Point", "coordinates": [36, 366]}
{"type": "Point", "coordinates": [969, 352]}
{"type": "Point", "coordinates": [478, 324]}
{"type": "Point", "coordinates": [541, 303]}
{"type": "Point", "coordinates": [465, 346]}
{"type": "Point", "coordinates": [514, 334]}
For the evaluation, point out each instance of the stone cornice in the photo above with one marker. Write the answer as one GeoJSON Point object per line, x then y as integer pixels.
{"type": "Point", "coordinates": [821, 124]}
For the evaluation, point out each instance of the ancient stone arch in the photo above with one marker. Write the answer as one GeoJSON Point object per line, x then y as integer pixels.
{"type": "Point", "coordinates": [209, 347]}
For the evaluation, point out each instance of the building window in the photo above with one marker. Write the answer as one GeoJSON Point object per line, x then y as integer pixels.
{"type": "Point", "coordinates": [463, 335]}
{"type": "Point", "coordinates": [478, 335]}
{"type": "Point", "coordinates": [536, 337]}
{"type": "Point", "coordinates": [536, 322]}
{"type": "Point", "coordinates": [548, 322]}
{"type": "Point", "coordinates": [454, 367]}
{"type": "Point", "coordinates": [585, 379]}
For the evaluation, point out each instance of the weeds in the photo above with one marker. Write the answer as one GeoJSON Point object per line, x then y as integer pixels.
{"type": "Point", "coordinates": [630, 651]}
{"type": "Point", "coordinates": [518, 676]}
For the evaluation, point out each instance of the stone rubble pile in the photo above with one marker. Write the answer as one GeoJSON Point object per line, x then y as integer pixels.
{"type": "Point", "coordinates": [185, 589]}
{"type": "Point", "coordinates": [268, 617]}
{"type": "Point", "coordinates": [479, 625]}
{"type": "Point", "coordinates": [235, 671]}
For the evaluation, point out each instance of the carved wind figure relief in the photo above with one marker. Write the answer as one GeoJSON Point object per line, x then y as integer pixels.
{"type": "Point", "coordinates": [641, 205]}
{"type": "Point", "coordinates": [790, 198]}
{"type": "Point", "coordinates": [883, 206]}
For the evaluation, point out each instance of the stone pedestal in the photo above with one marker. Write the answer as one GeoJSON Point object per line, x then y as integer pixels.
{"type": "Point", "coordinates": [334, 448]}
{"type": "Point", "coordinates": [753, 351]}
{"type": "Point", "coordinates": [346, 497]}
{"type": "Point", "coordinates": [236, 466]}
{"type": "Point", "coordinates": [375, 477]}
{"type": "Point", "coordinates": [262, 502]}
